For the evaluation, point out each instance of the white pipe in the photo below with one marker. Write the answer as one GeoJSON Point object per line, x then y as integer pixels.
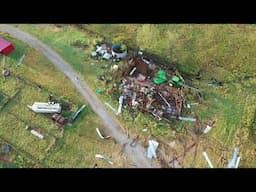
{"type": "Point", "coordinates": [207, 159]}
{"type": "Point", "coordinates": [164, 100]}
{"type": "Point", "coordinates": [105, 158]}
{"type": "Point", "coordinates": [232, 163]}
{"type": "Point", "coordinates": [134, 98]}
{"type": "Point", "coordinates": [121, 99]}
{"type": "Point", "coordinates": [132, 71]}
{"type": "Point", "coordinates": [237, 162]}
{"type": "Point", "coordinates": [21, 59]}
{"type": "Point", "coordinates": [100, 135]}
{"type": "Point", "coordinates": [110, 107]}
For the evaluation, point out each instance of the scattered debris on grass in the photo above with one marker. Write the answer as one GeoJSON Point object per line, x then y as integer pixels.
{"type": "Point", "coordinates": [134, 141]}
{"type": "Point", "coordinates": [215, 82]}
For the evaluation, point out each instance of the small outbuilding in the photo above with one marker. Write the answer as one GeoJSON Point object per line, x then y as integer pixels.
{"type": "Point", "coordinates": [6, 47]}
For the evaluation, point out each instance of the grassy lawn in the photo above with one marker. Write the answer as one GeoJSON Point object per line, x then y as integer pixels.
{"type": "Point", "coordinates": [76, 146]}
{"type": "Point", "coordinates": [224, 52]}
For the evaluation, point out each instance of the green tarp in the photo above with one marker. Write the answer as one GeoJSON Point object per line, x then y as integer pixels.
{"type": "Point", "coordinates": [160, 77]}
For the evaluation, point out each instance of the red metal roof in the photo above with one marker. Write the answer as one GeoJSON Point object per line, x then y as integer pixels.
{"type": "Point", "coordinates": [4, 44]}
{"type": "Point", "coordinates": [6, 47]}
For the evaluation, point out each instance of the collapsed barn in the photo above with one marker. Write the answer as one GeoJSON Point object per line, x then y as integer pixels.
{"type": "Point", "coordinates": [150, 89]}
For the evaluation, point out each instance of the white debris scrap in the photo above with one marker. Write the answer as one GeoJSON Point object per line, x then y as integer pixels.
{"type": "Point", "coordinates": [114, 68]}
{"type": "Point", "coordinates": [152, 146]}
{"type": "Point", "coordinates": [104, 158]}
{"type": "Point", "coordinates": [37, 134]}
{"type": "Point", "coordinates": [121, 99]}
{"type": "Point", "coordinates": [132, 71]}
{"type": "Point", "coordinates": [237, 162]}
{"type": "Point", "coordinates": [100, 135]}
{"type": "Point", "coordinates": [112, 108]}
{"type": "Point", "coordinates": [207, 129]}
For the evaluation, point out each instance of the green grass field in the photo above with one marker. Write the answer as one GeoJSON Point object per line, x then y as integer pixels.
{"type": "Point", "coordinates": [76, 146]}
{"type": "Point", "coordinates": [224, 52]}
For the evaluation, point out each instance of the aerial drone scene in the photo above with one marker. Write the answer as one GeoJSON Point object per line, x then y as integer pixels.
{"type": "Point", "coordinates": [128, 96]}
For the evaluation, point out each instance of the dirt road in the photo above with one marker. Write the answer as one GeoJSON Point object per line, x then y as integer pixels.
{"type": "Point", "coordinates": [135, 154]}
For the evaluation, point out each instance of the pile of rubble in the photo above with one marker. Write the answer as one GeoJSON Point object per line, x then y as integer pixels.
{"type": "Point", "coordinates": [149, 88]}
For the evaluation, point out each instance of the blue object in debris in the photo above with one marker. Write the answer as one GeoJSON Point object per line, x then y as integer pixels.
{"type": "Point", "coordinates": [107, 56]}
{"type": "Point", "coordinates": [187, 119]}
{"type": "Point", "coordinates": [77, 113]}
{"type": "Point", "coordinates": [116, 47]}
{"type": "Point", "coordinates": [6, 149]}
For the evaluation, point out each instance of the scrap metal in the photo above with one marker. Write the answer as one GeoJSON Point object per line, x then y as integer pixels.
{"type": "Point", "coordinates": [139, 91]}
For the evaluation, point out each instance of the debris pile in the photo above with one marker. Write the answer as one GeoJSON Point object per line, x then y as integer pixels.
{"type": "Point", "coordinates": [108, 52]}
{"type": "Point", "coordinates": [147, 87]}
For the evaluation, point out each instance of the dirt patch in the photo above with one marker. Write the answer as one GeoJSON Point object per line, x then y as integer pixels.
{"type": "Point", "coordinates": [5, 158]}
{"type": "Point", "coordinates": [81, 47]}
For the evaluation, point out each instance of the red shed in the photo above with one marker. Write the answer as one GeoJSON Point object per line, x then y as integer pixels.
{"type": "Point", "coordinates": [6, 47]}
